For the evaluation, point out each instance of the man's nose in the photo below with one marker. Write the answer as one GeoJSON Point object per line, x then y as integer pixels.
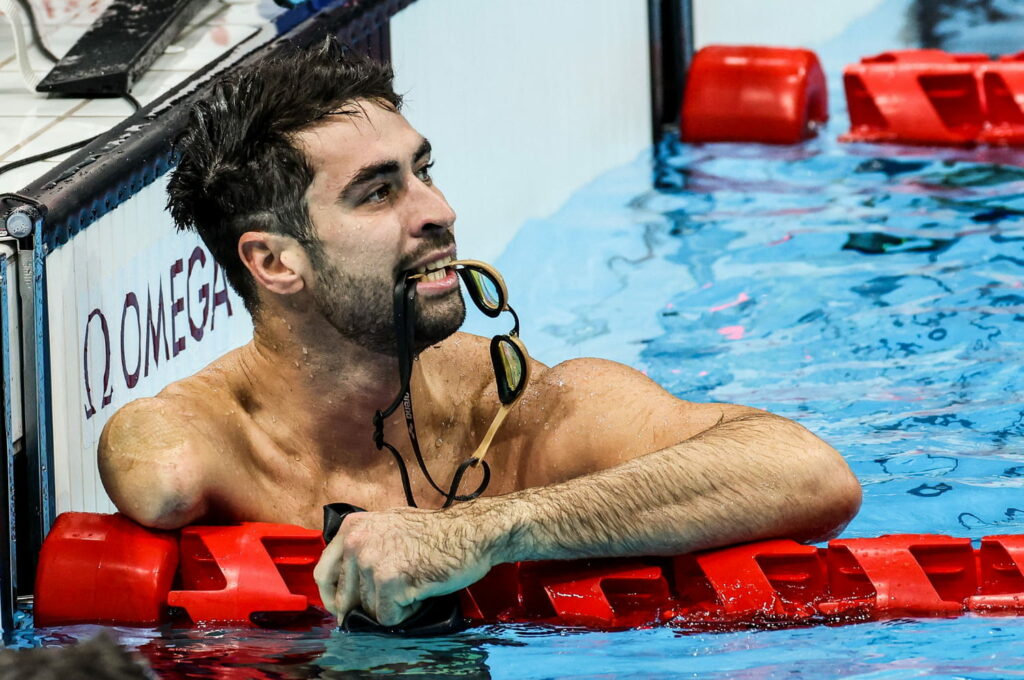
{"type": "Point", "coordinates": [430, 210]}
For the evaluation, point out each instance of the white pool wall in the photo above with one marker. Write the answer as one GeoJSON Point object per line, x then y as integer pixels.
{"type": "Point", "coordinates": [525, 101]}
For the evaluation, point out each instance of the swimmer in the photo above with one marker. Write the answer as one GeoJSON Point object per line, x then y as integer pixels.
{"type": "Point", "coordinates": [315, 195]}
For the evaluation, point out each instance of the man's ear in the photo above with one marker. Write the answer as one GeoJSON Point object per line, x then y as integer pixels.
{"type": "Point", "coordinates": [277, 262]}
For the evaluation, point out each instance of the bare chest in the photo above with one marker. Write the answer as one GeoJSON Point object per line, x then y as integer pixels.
{"type": "Point", "coordinates": [269, 483]}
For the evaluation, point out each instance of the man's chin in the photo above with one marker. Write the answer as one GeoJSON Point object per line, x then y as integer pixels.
{"type": "Point", "coordinates": [437, 322]}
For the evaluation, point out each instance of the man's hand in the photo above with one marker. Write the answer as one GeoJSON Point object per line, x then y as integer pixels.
{"type": "Point", "coordinates": [388, 562]}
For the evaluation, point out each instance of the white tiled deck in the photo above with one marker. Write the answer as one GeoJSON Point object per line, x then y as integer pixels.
{"type": "Point", "coordinates": [31, 123]}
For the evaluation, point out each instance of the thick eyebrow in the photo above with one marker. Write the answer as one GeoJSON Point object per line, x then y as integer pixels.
{"type": "Point", "coordinates": [365, 175]}
{"type": "Point", "coordinates": [422, 152]}
{"type": "Point", "coordinates": [369, 173]}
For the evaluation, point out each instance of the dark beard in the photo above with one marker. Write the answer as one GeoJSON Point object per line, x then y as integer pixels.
{"type": "Point", "coordinates": [439, 320]}
{"type": "Point", "coordinates": [362, 310]}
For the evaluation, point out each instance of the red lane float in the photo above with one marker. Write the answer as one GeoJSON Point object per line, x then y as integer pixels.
{"type": "Point", "coordinates": [107, 569]}
{"type": "Point", "coordinates": [753, 94]}
{"type": "Point", "coordinates": [1002, 89]}
{"type": "Point", "coordinates": [104, 569]}
{"type": "Point", "coordinates": [933, 97]}
{"type": "Point", "coordinates": [230, 572]}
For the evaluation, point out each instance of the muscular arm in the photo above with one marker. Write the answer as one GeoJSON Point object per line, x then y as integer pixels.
{"type": "Point", "coordinates": [752, 477]}
{"type": "Point", "coordinates": [616, 466]}
{"type": "Point", "coordinates": [718, 475]}
{"type": "Point", "coordinates": [150, 465]}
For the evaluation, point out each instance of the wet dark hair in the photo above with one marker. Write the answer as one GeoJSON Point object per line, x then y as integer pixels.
{"type": "Point", "coordinates": [238, 169]}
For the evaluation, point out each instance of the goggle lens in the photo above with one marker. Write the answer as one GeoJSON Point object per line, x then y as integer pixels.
{"type": "Point", "coordinates": [509, 368]}
{"type": "Point", "coordinates": [484, 285]}
{"type": "Point", "coordinates": [487, 293]}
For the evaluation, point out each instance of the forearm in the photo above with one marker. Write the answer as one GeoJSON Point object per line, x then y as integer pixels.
{"type": "Point", "coordinates": [754, 477]}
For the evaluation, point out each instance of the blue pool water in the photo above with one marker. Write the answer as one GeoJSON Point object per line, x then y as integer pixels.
{"type": "Point", "coordinates": [874, 294]}
{"type": "Point", "coordinates": [875, 298]}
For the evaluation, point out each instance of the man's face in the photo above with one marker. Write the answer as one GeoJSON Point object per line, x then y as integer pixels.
{"type": "Point", "coordinates": [377, 214]}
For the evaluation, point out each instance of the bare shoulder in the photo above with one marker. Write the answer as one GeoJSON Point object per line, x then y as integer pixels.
{"type": "Point", "coordinates": [462, 349]}
{"type": "Point", "coordinates": [621, 391]}
{"type": "Point", "coordinates": [156, 454]}
{"type": "Point", "coordinates": [587, 414]}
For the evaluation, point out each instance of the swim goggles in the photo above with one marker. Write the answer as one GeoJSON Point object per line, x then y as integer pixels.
{"type": "Point", "coordinates": [509, 358]}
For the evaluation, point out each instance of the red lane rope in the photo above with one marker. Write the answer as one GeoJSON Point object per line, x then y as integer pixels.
{"type": "Point", "coordinates": [262, 574]}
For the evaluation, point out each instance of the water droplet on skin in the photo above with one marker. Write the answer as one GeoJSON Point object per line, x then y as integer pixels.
{"type": "Point", "coordinates": [296, 363]}
{"type": "Point", "coordinates": [439, 442]}
{"type": "Point", "coordinates": [305, 351]}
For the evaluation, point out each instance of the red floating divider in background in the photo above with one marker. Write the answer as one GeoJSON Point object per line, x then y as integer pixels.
{"type": "Point", "coordinates": [753, 94]}
{"type": "Point", "coordinates": [263, 574]}
{"type": "Point", "coordinates": [935, 97]}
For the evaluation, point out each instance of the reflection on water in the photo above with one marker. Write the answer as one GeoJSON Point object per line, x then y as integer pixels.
{"type": "Point", "coordinates": [318, 653]}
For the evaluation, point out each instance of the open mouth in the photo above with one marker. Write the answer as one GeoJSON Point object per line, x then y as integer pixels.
{"type": "Point", "coordinates": [435, 271]}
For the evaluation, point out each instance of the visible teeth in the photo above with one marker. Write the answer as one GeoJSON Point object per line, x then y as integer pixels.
{"type": "Point", "coordinates": [435, 275]}
{"type": "Point", "coordinates": [434, 267]}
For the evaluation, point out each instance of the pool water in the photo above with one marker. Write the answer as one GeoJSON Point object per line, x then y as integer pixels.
{"type": "Point", "coordinates": [874, 294]}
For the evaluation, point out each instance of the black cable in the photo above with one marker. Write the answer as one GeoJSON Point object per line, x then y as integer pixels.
{"type": "Point", "coordinates": [27, 8]}
{"type": "Point", "coordinates": [64, 149]}
{"type": "Point", "coordinates": [34, 27]}
{"type": "Point", "coordinates": [127, 96]}
{"type": "Point", "coordinates": [43, 156]}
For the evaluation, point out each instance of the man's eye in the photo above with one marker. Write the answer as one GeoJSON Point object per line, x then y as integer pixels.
{"type": "Point", "coordinates": [424, 173]}
{"type": "Point", "coordinates": [379, 195]}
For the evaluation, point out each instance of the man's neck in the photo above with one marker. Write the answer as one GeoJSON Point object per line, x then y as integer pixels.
{"type": "Point", "coordinates": [328, 386]}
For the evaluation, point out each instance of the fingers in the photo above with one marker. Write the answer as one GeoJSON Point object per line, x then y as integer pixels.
{"type": "Point", "coordinates": [390, 613]}
{"type": "Point", "coordinates": [358, 587]}
{"type": "Point", "coordinates": [347, 592]}
{"type": "Point", "coordinates": [375, 568]}
{"type": "Point", "coordinates": [342, 584]}
{"type": "Point", "coordinates": [327, 573]}
{"type": "Point", "coordinates": [367, 590]}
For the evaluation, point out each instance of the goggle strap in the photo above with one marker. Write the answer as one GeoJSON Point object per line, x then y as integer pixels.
{"type": "Point", "coordinates": [404, 472]}
{"type": "Point", "coordinates": [404, 299]}
{"type": "Point", "coordinates": [406, 332]}
{"type": "Point", "coordinates": [515, 329]}
{"type": "Point", "coordinates": [404, 307]}
{"type": "Point", "coordinates": [485, 444]}
{"type": "Point", "coordinates": [452, 494]}
{"type": "Point", "coordinates": [410, 424]}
